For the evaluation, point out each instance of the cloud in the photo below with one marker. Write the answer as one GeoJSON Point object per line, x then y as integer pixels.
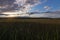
{"type": "Point", "coordinates": [37, 10]}
{"type": "Point", "coordinates": [55, 14]}
{"type": "Point", "coordinates": [6, 2]}
{"type": "Point", "coordinates": [47, 7]}
{"type": "Point", "coordinates": [27, 4]}
{"type": "Point", "coordinates": [7, 5]}
{"type": "Point", "coordinates": [20, 5]}
{"type": "Point", "coordinates": [47, 15]}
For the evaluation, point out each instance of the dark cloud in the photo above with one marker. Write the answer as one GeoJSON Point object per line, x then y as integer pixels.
{"type": "Point", "coordinates": [31, 2]}
{"type": "Point", "coordinates": [6, 2]}
{"type": "Point", "coordinates": [21, 5]}
{"type": "Point", "coordinates": [26, 5]}
{"type": "Point", "coordinates": [8, 5]}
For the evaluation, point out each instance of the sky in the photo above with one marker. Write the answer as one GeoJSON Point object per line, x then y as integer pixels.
{"type": "Point", "coordinates": [29, 5]}
{"type": "Point", "coordinates": [49, 5]}
{"type": "Point", "coordinates": [24, 6]}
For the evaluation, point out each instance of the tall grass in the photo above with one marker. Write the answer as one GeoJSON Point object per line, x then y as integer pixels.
{"type": "Point", "coordinates": [29, 31]}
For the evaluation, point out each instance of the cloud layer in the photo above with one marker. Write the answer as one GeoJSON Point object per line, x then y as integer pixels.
{"type": "Point", "coordinates": [47, 7]}
{"type": "Point", "coordinates": [55, 14]}
{"type": "Point", "coordinates": [21, 5]}
{"type": "Point", "coordinates": [25, 5]}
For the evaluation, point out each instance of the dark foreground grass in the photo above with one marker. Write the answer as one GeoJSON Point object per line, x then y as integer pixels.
{"type": "Point", "coordinates": [29, 31]}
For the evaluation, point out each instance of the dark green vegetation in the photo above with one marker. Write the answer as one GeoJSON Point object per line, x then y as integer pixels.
{"type": "Point", "coordinates": [10, 30]}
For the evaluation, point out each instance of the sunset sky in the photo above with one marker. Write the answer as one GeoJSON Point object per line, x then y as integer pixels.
{"type": "Point", "coordinates": [29, 5]}
{"type": "Point", "coordinates": [11, 7]}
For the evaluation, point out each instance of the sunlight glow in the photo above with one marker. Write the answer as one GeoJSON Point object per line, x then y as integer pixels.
{"type": "Point", "coordinates": [15, 14]}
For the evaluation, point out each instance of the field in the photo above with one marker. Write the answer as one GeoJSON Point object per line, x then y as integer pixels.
{"type": "Point", "coordinates": [29, 29]}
